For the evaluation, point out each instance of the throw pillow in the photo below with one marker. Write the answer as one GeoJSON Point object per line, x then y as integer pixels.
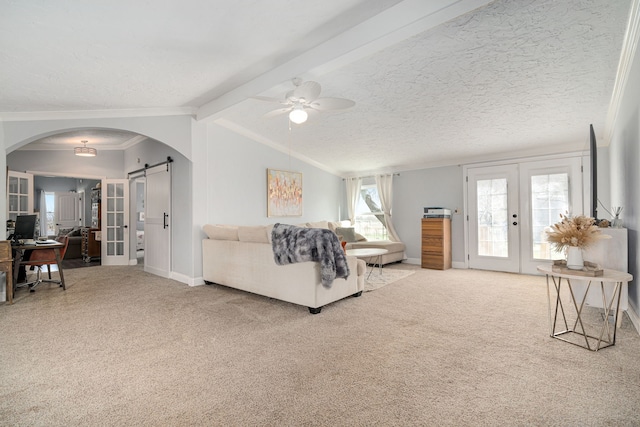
{"type": "Point", "coordinates": [318, 224]}
{"type": "Point", "coordinates": [347, 234]}
{"type": "Point", "coordinates": [75, 232]}
{"type": "Point", "coordinates": [221, 232]}
{"type": "Point", "coordinates": [64, 231]}
{"type": "Point", "coordinates": [360, 238]}
{"type": "Point", "coordinates": [256, 234]}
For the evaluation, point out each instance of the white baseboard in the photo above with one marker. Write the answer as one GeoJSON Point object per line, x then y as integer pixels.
{"type": "Point", "coordinates": [182, 278]}
{"type": "Point", "coordinates": [418, 261]}
{"type": "Point", "coordinates": [632, 312]}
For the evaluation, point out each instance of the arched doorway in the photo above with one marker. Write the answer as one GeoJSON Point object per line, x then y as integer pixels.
{"type": "Point", "coordinates": [118, 151]}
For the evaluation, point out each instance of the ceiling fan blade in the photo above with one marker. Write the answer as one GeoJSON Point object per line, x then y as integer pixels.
{"type": "Point", "coordinates": [277, 112]}
{"type": "Point", "coordinates": [269, 99]}
{"type": "Point", "coordinates": [326, 104]}
{"type": "Point", "coordinates": [310, 91]}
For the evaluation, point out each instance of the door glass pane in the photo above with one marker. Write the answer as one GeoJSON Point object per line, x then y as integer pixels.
{"type": "Point", "coordinates": [111, 248]}
{"type": "Point", "coordinates": [493, 221]}
{"type": "Point", "coordinates": [24, 203]}
{"type": "Point", "coordinates": [13, 202]}
{"type": "Point", "coordinates": [119, 248]}
{"type": "Point", "coordinates": [24, 185]}
{"type": "Point", "coordinates": [119, 190]}
{"type": "Point", "coordinates": [549, 199]}
{"type": "Point", "coordinates": [13, 184]}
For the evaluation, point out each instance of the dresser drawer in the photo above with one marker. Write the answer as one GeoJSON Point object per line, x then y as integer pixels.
{"type": "Point", "coordinates": [432, 229]}
{"type": "Point", "coordinates": [432, 244]}
{"type": "Point", "coordinates": [433, 261]}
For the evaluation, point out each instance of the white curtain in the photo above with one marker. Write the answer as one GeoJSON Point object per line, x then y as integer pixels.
{"type": "Point", "coordinates": [43, 214]}
{"type": "Point", "coordinates": [385, 192]}
{"type": "Point", "coordinates": [353, 194]}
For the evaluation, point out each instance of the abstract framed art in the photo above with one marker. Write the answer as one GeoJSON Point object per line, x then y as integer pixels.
{"type": "Point", "coordinates": [284, 193]}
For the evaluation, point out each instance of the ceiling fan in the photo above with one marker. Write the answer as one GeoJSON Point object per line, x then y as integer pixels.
{"type": "Point", "coordinates": [305, 97]}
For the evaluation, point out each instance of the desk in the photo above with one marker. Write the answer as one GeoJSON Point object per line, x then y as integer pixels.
{"type": "Point", "coordinates": [374, 255]}
{"type": "Point", "coordinates": [610, 306]}
{"type": "Point", "coordinates": [19, 251]}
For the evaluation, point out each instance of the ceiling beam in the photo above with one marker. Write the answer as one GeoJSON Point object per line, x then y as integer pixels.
{"type": "Point", "coordinates": [397, 23]}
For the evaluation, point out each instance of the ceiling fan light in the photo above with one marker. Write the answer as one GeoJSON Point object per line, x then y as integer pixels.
{"type": "Point", "coordinates": [85, 151]}
{"type": "Point", "coordinates": [298, 115]}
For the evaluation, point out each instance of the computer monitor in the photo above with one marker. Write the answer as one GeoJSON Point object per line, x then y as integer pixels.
{"type": "Point", "coordinates": [25, 227]}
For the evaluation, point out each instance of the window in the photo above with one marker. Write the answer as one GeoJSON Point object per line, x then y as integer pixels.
{"type": "Point", "coordinates": [50, 203]}
{"type": "Point", "coordinates": [549, 198]}
{"type": "Point", "coordinates": [369, 216]}
{"type": "Point", "coordinates": [493, 220]}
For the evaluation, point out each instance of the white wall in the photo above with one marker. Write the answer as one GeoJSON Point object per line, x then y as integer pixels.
{"type": "Point", "coordinates": [624, 157]}
{"type": "Point", "coordinates": [415, 190]}
{"type": "Point", "coordinates": [236, 182]}
{"type": "Point", "coordinates": [107, 164]}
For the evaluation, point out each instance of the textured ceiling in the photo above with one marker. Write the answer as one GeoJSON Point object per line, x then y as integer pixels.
{"type": "Point", "coordinates": [444, 83]}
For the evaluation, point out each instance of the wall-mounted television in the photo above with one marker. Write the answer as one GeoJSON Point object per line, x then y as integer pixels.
{"type": "Point", "coordinates": [593, 153]}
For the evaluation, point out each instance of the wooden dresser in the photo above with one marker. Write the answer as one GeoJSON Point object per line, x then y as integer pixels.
{"type": "Point", "coordinates": [436, 243]}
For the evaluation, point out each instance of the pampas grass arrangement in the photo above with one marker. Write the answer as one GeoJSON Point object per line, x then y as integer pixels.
{"type": "Point", "coordinates": [579, 231]}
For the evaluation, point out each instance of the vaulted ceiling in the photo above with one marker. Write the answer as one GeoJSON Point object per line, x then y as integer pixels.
{"type": "Point", "coordinates": [435, 82]}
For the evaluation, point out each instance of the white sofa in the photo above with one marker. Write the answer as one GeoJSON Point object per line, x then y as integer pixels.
{"type": "Point", "coordinates": [241, 257]}
{"type": "Point", "coordinates": [395, 250]}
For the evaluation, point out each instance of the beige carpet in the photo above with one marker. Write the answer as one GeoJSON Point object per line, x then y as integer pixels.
{"type": "Point", "coordinates": [438, 348]}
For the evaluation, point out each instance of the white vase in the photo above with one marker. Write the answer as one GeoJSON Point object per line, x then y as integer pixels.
{"type": "Point", "coordinates": [574, 258]}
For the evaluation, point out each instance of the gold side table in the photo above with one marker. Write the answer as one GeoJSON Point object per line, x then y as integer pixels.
{"type": "Point", "coordinates": [558, 312]}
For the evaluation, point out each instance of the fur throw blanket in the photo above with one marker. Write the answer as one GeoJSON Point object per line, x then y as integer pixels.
{"type": "Point", "coordinates": [297, 244]}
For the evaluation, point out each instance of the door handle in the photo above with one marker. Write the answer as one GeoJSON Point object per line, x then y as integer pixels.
{"type": "Point", "coordinates": [164, 221]}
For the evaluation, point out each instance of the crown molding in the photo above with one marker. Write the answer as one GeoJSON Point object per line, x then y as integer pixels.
{"type": "Point", "coordinates": [96, 114]}
{"type": "Point", "coordinates": [629, 45]}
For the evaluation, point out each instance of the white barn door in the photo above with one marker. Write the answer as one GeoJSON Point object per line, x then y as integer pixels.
{"type": "Point", "coordinates": [157, 220]}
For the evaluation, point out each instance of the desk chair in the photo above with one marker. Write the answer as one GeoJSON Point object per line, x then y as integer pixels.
{"type": "Point", "coordinates": [42, 257]}
{"type": "Point", "coordinates": [6, 265]}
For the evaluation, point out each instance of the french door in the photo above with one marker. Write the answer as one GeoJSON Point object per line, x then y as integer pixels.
{"type": "Point", "coordinates": [115, 217]}
{"type": "Point", "coordinates": [493, 211]}
{"type": "Point", "coordinates": [19, 194]}
{"type": "Point", "coordinates": [510, 206]}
